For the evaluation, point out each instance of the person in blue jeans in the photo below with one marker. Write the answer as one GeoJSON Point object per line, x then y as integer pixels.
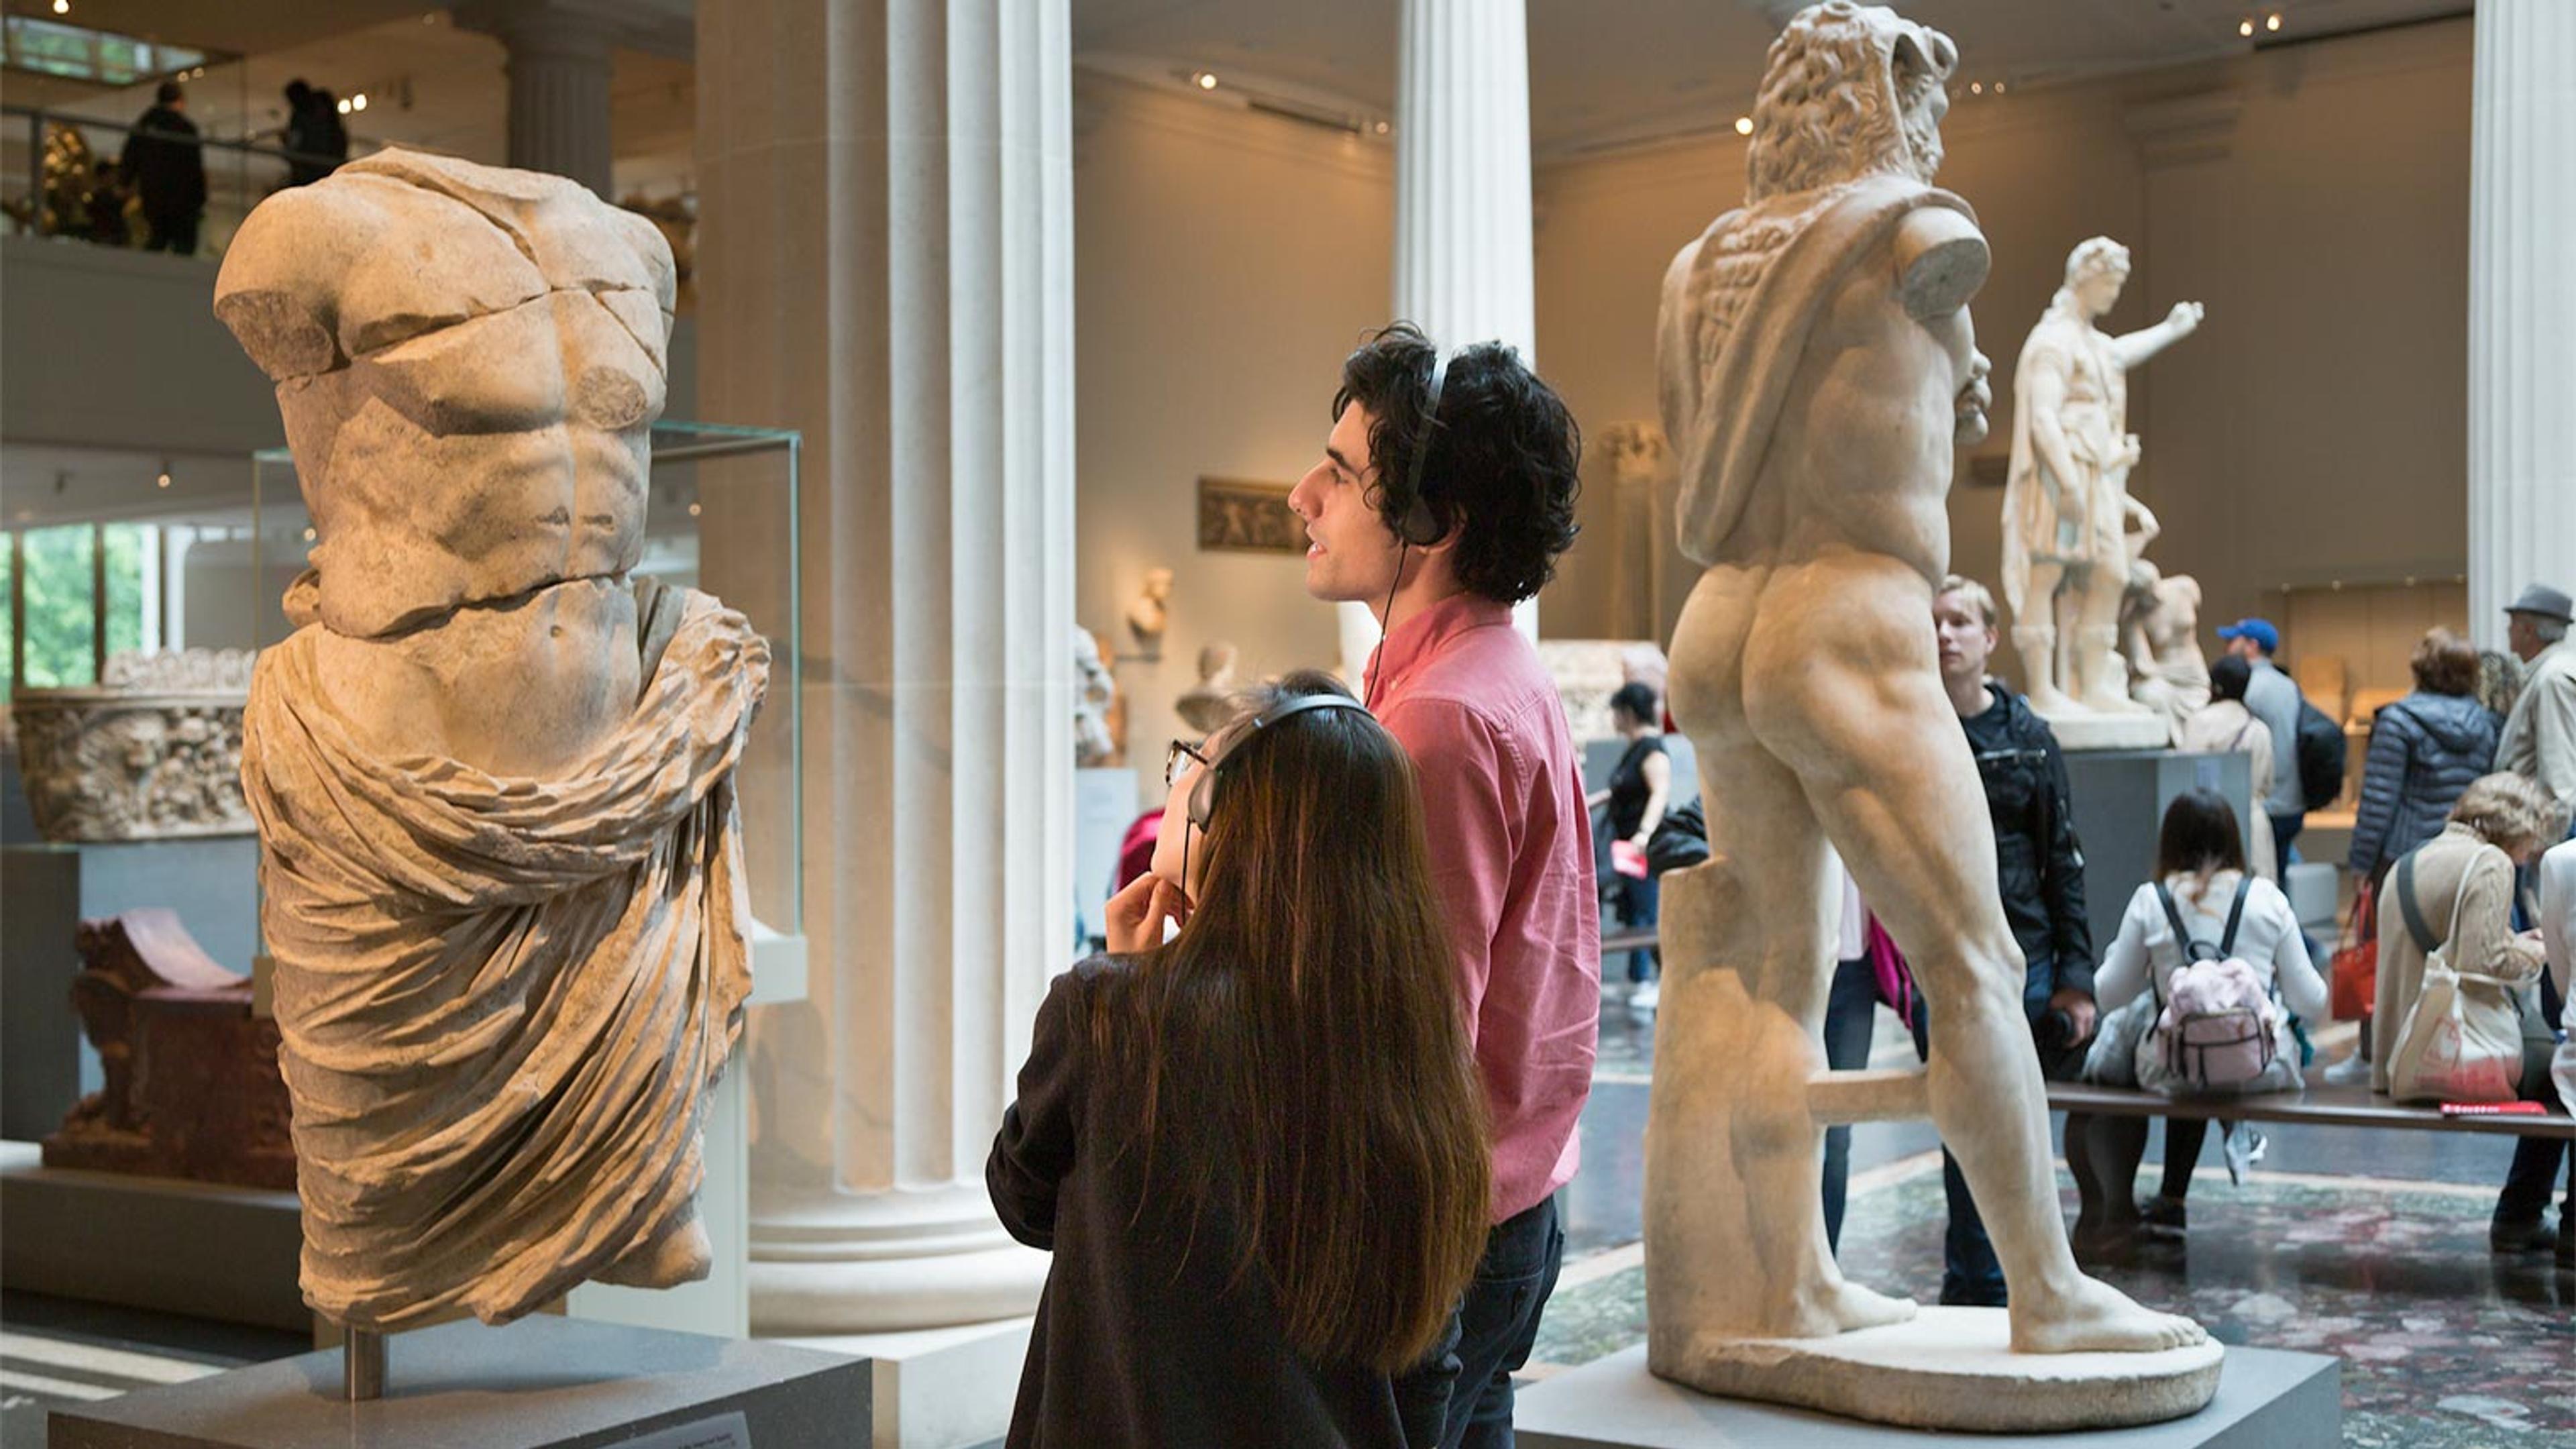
{"type": "Point", "coordinates": [2039, 867]}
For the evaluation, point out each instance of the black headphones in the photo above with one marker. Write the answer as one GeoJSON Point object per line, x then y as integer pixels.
{"type": "Point", "coordinates": [1419, 526]}
{"type": "Point", "coordinates": [1203, 790]}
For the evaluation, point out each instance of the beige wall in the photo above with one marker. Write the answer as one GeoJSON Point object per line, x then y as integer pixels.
{"type": "Point", "coordinates": [2315, 197]}
{"type": "Point", "coordinates": [1225, 262]}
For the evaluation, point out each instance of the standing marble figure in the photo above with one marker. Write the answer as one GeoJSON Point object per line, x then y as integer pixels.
{"type": "Point", "coordinates": [2067, 509]}
{"type": "Point", "coordinates": [1817, 370]}
{"type": "Point", "coordinates": [491, 770]}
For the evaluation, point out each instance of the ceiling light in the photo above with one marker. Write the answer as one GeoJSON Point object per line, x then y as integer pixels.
{"type": "Point", "coordinates": [163, 481]}
{"type": "Point", "coordinates": [344, 105]}
{"type": "Point", "coordinates": [2272, 21]}
{"type": "Point", "coordinates": [2245, 28]}
{"type": "Point", "coordinates": [693, 510]}
{"type": "Point", "coordinates": [1744, 125]}
{"type": "Point", "coordinates": [1381, 128]}
{"type": "Point", "coordinates": [310, 535]}
{"type": "Point", "coordinates": [1999, 88]}
{"type": "Point", "coordinates": [358, 102]}
{"type": "Point", "coordinates": [1976, 88]}
{"type": "Point", "coordinates": [62, 7]}
{"type": "Point", "coordinates": [1204, 79]}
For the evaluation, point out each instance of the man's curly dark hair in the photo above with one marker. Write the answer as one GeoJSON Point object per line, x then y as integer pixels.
{"type": "Point", "coordinates": [1502, 474]}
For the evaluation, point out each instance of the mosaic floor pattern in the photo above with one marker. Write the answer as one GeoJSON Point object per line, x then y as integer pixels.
{"type": "Point", "coordinates": [2444, 1345]}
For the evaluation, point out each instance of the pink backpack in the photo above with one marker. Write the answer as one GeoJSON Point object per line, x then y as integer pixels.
{"type": "Point", "coordinates": [2219, 1028]}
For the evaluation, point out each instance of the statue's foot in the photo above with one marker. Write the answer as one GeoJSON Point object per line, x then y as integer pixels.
{"type": "Point", "coordinates": [2094, 1317]}
{"type": "Point", "coordinates": [1845, 1308]}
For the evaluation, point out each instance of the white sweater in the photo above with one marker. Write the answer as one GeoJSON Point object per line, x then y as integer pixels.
{"type": "Point", "coordinates": [2267, 939]}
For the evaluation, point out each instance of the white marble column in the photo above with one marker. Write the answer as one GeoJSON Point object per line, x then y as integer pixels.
{"type": "Point", "coordinates": [559, 72]}
{"type": "Point", "coordinates": [1463, 268]}
{"type": "Point", "coordinates": [2522, 307]}
{"type": "Point", "coordinates": [885, 263]}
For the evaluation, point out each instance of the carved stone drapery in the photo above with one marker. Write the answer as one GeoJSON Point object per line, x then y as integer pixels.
{"type": "Point", "coordinates": [152, 752]}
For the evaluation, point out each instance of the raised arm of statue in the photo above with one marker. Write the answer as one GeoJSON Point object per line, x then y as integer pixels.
{"type": "Point", "coordinates": [2142, 525]}
{"type": "Point", "coordinates": [2146, 342]}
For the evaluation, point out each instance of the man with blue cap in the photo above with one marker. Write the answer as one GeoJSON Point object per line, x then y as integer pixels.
{"type": "Point", "coordinates": [2273, 697]}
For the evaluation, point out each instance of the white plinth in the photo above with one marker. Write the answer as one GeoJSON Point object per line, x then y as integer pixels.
{"type": "Point", "coordinates": [2267, 1399]}
{"type": "Point", "coordinates": [1954, 1369]}
{"type": "Point", "coordinates": [2085, 729]}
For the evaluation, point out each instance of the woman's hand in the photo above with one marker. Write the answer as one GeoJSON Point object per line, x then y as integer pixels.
{"type": "Point", "coordinates": [1134, 920]}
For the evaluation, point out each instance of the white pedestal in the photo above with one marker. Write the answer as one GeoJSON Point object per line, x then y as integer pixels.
{"type": "Point", "coordinates": [2088, 730]}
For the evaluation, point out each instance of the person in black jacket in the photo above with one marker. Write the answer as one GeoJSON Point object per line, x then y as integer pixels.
{"type": "Point", "coordinates": [1256, 1151]}
{"type": "Point", "coordinates": [167, 166]}
{"type": "Point", "coordinates": [2039, 866]}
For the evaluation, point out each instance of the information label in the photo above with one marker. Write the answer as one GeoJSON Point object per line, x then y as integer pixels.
{"type": "Point", "coordinates": [724, 1431]}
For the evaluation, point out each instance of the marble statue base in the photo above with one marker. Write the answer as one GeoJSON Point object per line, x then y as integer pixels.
{"type": "Point", "coordinates": [1954, 1369]}
{"type": "Point", "coordinates": [2264, 1399]}
{"type": "Point", "coordinates": [2084, 729]}
{"type": "Point", "coordinates": [541, 1383]}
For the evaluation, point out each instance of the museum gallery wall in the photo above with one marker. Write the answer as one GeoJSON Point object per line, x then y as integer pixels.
{"type": "Point", "coordinates": [1227, 259]}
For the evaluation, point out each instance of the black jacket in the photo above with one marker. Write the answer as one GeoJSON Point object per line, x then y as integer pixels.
{"type": "Point", "coordinates": [2039, 861]}
{"type": "Point", "coordinates": [2425, 749]}
{"type": "Point", "coordinates": [1147, 1335]}
{"type": "Point", "coordinates": [166, 163]}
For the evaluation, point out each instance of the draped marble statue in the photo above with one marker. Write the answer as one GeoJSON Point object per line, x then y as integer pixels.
{"type": "Point", "coordinates": [2067, 509]}
{"type": "Point", "coordinates": [490, 769]}
{"type": "Point", "coordinates": [1817, 369]}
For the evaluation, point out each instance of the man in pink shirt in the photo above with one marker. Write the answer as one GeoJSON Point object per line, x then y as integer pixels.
{"type": "Point", "coordinates": [1445, 494]}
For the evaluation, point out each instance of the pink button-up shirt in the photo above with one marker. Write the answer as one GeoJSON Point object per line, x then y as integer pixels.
{"type": "Point", "coordinates": [1511, 854]}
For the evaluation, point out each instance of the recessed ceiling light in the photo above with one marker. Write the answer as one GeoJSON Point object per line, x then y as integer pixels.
{"type": "Point", "coordinates": [693, 510]}
{"type": "Point", "coordinates": [2272, 21]}
{"type": "Point", "coordinates": [1744, 125]}
{"type": "Point", "coordinates": [62, 7]}
{"type": "Point", "coordinates": [1204, 79]}
{"type": "Point", "coordinates": [1380, 128]}
{"type": "Point", "coordinates": [2245, 28]}
{"type": "Point", "coordinates": [1999, 88]}
{"type": "Point", "coordinates": [344, 105]}
{"type": "Point", "coordinates": [358, 102]}
{"type": "Point", "coordinates": [163, 479]}
{"type": "Point", "coordinates": [1976, 88]}
{"type": "Point", "coordinates": [310, 535]}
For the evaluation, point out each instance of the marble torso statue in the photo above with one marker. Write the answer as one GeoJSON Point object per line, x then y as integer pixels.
{"type": "Point", "coordinates": [2161, 623]}
{"type": "Point", "coordinates": [2067, 509]}
{"type": "Point", "coordinates": [491, 771]}
{"type": "Point", "coordinates": [1818, 368]}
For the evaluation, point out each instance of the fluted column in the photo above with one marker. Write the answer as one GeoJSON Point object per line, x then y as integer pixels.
{"type": "Point", "coordinates": [885, 264]}
{"type": "Point", "coordinates": [2522, 307]}
{"type": "Point", "coordinates": [1463, 268]}
{"type": "Point", "coordinates": [559, 72]}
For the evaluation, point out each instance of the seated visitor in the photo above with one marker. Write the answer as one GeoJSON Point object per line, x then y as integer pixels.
{"type": "Point", "coordinates": [2424, 750]}
{"type": "Point", "coordinates": [2202, 906]}
{"type": "Point", "coordinates": [2225, 726]}
{"type": "Point", "coordinates": [2455, 894]}
{"type": "Point", "coordinates": [1257, 1151]}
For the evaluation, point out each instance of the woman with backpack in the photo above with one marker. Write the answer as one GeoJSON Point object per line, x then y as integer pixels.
{"type": "Point", "coordinates": [2453, 897]}
{"type": "Point", "coordinates": [2198, 990]}
{"type": "Point", "coordinates": [1258, 1150]}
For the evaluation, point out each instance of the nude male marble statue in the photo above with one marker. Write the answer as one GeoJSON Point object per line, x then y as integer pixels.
{"type": "Point", "coordinates": [2067, 510]}
{"type": "Point", "coordinates": [491, 770]}
{"type": "Point", "coordinates": [1818, 368]}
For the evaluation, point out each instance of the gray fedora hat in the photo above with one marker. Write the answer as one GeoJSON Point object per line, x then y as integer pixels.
{"type": "Point", "coordinates": [2543, 600]}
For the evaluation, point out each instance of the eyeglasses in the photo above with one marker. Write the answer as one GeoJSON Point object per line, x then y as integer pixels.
{"type": "Point", "coordinates": [1178, 751]}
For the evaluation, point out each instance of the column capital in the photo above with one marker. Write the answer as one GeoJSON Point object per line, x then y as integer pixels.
{"type": "Point", "coordinates": [583, 29]}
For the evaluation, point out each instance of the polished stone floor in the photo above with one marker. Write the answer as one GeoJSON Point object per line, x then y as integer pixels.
{"type": "Point", "coordinates": [2370, 1246]}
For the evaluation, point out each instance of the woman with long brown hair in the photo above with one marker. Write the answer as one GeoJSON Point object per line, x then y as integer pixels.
{"type": "Point", "coordinates": [1258, 1150]}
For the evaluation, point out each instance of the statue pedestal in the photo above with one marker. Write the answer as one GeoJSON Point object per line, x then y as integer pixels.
{"type": "Point", "coordinates": [2264, 1396]}
{"type": "Point", "coordinates": [2085, 729]}
{"type": "Point", "coordinates": [541, 1383]}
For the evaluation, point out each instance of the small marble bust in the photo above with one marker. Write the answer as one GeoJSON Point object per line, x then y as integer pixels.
{"type": "Point", "coordinates": [1150, 615]}
{"type": "Point", "coordinates": [1209, 704]}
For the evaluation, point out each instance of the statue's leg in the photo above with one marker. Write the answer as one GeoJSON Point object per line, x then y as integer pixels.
{"type": "Point", "coordinates": [1873, 738]}
{"type": "Point", "coordinates": [2034, 636]}
{"type": "Point", "coordinates": [1735, 1238]}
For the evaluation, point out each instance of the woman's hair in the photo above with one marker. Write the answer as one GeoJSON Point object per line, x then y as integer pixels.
{"type": "Point", "coordinates": [2200, 837]}
{"type": "Point", "coordinates": [2510, 811]}
{"type": "Point", "coordinates": [1331, 1079]}
{"type": "Point", "coordinates": [2445, 663]}
{"type": "Point", "coordinates": [2228, 676]}
{"type": "Point", "coordinates": [1637, 701]}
